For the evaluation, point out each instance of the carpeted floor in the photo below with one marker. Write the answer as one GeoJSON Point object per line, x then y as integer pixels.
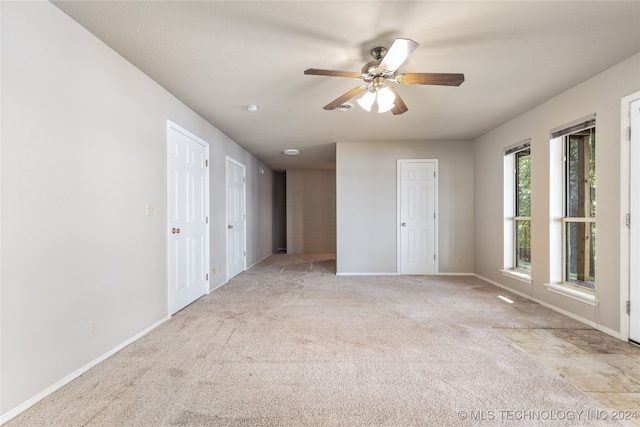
{"type": "Point", "coordinates": [289, 343]}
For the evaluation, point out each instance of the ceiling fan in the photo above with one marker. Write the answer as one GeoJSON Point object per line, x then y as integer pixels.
{"type": "Point", "coordinates": [377, 74]}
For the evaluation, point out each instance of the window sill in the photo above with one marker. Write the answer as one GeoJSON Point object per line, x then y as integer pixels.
{"type": "Point", "coordinates": [521, 276]}
{"type": "Point", "coordinates": [573, 293]}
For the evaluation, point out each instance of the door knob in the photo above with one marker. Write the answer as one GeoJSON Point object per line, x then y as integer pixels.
{"type": "Point", "coordinates": [230, 226]}
{"type": "Point", "coordinates": [404, 224]}
{"type": "Point", "coordinates": [175, 230]}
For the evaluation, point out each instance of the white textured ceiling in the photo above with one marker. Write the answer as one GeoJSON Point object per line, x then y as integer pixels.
{"type": "Point", "coordinates": [219, 57]}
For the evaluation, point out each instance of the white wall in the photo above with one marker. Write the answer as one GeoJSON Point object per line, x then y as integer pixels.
{"type": "Point", "coordinates": [366, 181]}
{"type": "Point", "coordinates": [601, 95]}
{"type": "Point", "coordinates": [311, 211]}
{"type": "Point", "coordinates": [83, 151]}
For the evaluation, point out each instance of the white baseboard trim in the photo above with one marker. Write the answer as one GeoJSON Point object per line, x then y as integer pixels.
{"type": "Point", "coordinates": [574, 316]}
{"type": "Point", "coordinates": [398, 274]}
{"type": "Point", "coordinates": [366, 274]}
{"type": "Point", "coordinates": [72, 376]}
{"type": "Point", "coordinates": [218, 286]}
{"type": "Point", "coordinates": [258, 262]}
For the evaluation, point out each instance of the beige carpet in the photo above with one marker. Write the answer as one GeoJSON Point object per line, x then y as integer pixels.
{"type": "Point", "coordinates": [289, 343]}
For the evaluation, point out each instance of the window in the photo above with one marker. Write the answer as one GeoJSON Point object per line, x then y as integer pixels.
{"type": "Point", "coordinates": [522, 219]}
{"type": "Point", "coordinates": [579, 202]}
{"type": "Point", "coordinates": [517, 208]}
{"type": "Point", "coordinates": [572, 208]}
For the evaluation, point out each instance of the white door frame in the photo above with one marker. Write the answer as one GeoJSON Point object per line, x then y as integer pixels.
{"type": "Point", "coordinates": [634, 236]}
{"type": "Point", "coordinates": [625, 198]}
{"type": "Point", "coordinates": [175, 127]}
{"type": "Point", "coordinates": [398, 212]}
{"type": "Point", "coordinates": [244, 203]}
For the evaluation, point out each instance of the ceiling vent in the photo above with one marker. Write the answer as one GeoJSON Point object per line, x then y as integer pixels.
{"type": "Point", "coordinates": [345, 107]}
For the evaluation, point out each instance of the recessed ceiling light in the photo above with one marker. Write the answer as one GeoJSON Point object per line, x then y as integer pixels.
{"type": "Point", "coordinates": [291, 151]}
{"type": "Point", "coordinates": [345, 107]}
{"type": "Point", "coordinates": [252, 108]}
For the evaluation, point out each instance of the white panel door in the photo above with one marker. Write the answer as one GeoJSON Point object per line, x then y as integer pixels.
{"type": "Point", "coordinates": [417, 217]}
{"type": "Point", "coordinates": [187, 217]}
{"type": "Point", "coordinates": [634, 250]}
{"type": "Point", "coordinates": [236, 219]}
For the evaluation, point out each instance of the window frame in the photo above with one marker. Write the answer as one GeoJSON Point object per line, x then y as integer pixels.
{"type": "Point", "coordinates": [511, 211]}
{"type": "Point", "coordinates": [556, 282]}
{"type": "Point", "coordinates": [566, 219]}
{"type": "Point", "coordinates": [517, 217]}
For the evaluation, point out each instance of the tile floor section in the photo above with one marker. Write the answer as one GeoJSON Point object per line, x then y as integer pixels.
{"type": "Point", "coordinates": [599, 365]}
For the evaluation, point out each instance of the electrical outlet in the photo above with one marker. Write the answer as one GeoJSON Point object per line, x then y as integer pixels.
{"type": "Point", "coordinates": [92, 329]}
{"type": "Point", "coordinates": [213, 271]}
{"type": "Point", "coordinates": [459, 260]}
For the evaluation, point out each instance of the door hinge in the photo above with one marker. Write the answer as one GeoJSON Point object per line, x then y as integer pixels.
{"type": "Point", "coordinates": [434, 257]}
{"type": "Point", "coordinates": [628, 220]}
{"type": "Point", "coordinates": [206, 163]}
{"type": "Point", "coordinates": [628, 133]}
{"type": "Point", "coordinates": [628, 308]}
{"type": "Point", "coordinates": [245, 253]}
{"type": "Point", "coordinates": [207, 276]}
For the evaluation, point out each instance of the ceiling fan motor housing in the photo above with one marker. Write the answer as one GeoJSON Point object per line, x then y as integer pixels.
{"type": "Point", "coordinates": [371, 68]}
{"type": "Point", "coordinates": [372, 71]}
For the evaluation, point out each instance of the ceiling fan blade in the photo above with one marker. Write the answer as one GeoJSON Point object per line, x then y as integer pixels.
{"type": "Point", "coordinates": [397, 54]}
{"type": "Point", "coordinates": [333, 73]}
{"type": "Point", "coordinates": [399, 106]}
{"type": "Point", "coordinates": [344, 98]}
{"type": "Point", "coordinates": [441, 79]}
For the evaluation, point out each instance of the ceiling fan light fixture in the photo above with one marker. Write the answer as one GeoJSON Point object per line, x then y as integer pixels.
{"type": "Point", "coordinates": [366, 101]}
{"type": "Point", "coordinates": [386, 99]}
